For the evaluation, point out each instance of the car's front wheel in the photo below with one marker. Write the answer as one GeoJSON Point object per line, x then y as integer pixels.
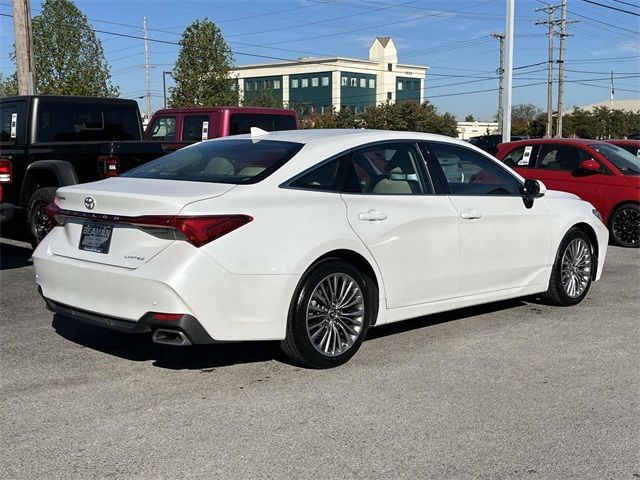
{"type": "Point", "coordinates": [625, 226]}
{"type": "Point", "coordinates": [330, 314]}
{"type": "Point", "coordinates": [572, 270]}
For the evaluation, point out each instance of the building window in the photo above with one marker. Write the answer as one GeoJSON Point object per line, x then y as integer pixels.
{"type": "Point", "coordinates": [390, 67]}
{"type": "Point", "coordinates": [268, 84]}
{"type": "Point", "coordinates": [354, 82]}
{"type": "Point", "coordinates": [372, 83]}
{"type": "Point", "coordinates": [389, 96]}
{"type": "Point", "coordinates": [248, 86]}
{"type": "Point", "coordinates": [399, 86]}
{"type": "Point", "coordinates": [294, 83]}
{"type": "Point", "coordinates": [363, 83]}
{"type": "Point", "coordinates": [305, 83]}
{"type": "Point", "coordinates": [345, 81]}
{"type": "Point", "coordinates": [325, 81]}
{"type": "Point", "coordinates": [276, 84]}
{"type": "Point", "coordinates": [315, 82]}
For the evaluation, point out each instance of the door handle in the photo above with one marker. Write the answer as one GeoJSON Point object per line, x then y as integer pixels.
{"type": "Point", "coordinates": [372, 216]}
{"type": "Point", "coordinates": [471, 215]}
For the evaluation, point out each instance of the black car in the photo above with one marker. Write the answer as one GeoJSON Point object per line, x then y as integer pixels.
{"type": "Point", "coordinates": [489, 143]}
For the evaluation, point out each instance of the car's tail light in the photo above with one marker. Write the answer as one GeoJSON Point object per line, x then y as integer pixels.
{"type": "Point", "coordinates": [108, 166]}
{"type": "Point", "coordinates": [5, 170]}
{"type": "Point", "coordinates": [196, 230]}
{"type": "Point", "coordinates": [167, 317]}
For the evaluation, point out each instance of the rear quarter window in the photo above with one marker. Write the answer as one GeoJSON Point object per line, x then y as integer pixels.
{"type": "Point", "coordinates": [242, 122]}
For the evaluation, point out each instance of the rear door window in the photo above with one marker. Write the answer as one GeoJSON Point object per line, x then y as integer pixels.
{"type": "Point", "coordinates": [163, 128]}
{"type": "Point", "coordinates": [242, 122]}
{"type": "Point", "coordinates": [192, 128]}
{"type": "Point", "coordinates": [388, 169]}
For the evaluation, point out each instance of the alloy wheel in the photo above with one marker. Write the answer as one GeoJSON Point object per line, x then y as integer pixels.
{"type": "Point", "coordinates": [576, 267]}
{"type": "Point", "coordinates": [335, 314]}
{"type": "Point", "coordinates": [626, 226]}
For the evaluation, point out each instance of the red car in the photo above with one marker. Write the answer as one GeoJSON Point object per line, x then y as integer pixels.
{"type": "Point", "coordinates": [601, 173]}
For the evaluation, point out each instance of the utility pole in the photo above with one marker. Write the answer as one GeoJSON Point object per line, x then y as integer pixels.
{"type": "Point", "coordinates": [563, 37]}
{"type": "Point", "coordinates": [147, 67]}
{"type": "Point", "coordinates": [500, 37]}
{"type": "Point", "coordinates": [550, 23]}
{"type": "Point", "coordinates": [25, 64]}
{"type": "Point", "coordinates": [508, 69]}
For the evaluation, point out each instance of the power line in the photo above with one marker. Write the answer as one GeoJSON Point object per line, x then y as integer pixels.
{"type": "Point", "coordinates": [612, 7]}
{"type": "Point", "coordinates": [420, 17]}
{"type": "Point", "coordinates": [627, 3]}
{"type": "Point", "coordinates": [635, 32]}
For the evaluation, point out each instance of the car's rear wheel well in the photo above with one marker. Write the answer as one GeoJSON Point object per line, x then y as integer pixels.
{"type": "Point", "coordinates": [590, 232]}
{"type": "Point", "coordinates": [359, 262]}
{"type": "Point", "coordinates": [36, 180]}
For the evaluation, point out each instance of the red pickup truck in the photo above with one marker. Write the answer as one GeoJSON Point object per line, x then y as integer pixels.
{"type": "Point", "coordinates": [188, 125]}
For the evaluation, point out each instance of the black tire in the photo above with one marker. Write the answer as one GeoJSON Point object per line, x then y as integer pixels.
{"type": "Point", "coordinates": [559, 293]}
{"type": "Point", "coordinates": [37, 221]}
{"type": "Point", "coordinates": [298, 345]}
{"type": "Point", "coordinates": [624, 226]}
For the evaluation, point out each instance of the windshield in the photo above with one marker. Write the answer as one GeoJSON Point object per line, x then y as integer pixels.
{"type": "Point", "coordinates": [225, 161]}
{"type": "Point", "coordinates": [626, 162]}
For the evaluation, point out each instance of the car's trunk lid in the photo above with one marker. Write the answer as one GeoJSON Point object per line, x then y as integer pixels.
{"type": "Point", "coordinates": [100, 218]}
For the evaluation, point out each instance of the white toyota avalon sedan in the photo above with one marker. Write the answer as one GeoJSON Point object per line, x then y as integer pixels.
{"type": "Point", "coordinates": [311, 237]}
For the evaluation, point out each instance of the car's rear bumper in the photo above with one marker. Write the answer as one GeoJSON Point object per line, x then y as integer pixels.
{"type": "Point", "coordinates": [181, 279]}
{"type": "Point", "coordinates": [186, 324]}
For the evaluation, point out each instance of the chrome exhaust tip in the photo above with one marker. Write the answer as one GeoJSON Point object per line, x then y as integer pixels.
{"type": "Point", "coordinates": [170, 337]}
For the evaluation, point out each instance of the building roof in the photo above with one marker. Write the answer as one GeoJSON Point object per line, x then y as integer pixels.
{"type": "Point", "coordinates": [321, 61]}
{"type": "Point", "coordinates": [383, 40]}
{"type": "Point", "coordinates": [631, 105]}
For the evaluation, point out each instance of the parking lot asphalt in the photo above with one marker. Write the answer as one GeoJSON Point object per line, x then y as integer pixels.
{"type": "Point", "coordinates": [514, 389]}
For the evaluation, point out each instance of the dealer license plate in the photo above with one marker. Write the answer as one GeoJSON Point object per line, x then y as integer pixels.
{"type": "Point", "coordinates": [95, 237]}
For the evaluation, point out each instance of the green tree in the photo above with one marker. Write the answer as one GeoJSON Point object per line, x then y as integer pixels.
{"type": "Point", "coordinates": [469, 118]}
{"type": "Point", "coordinates": [8, 85]}
{"type": "Point", "coordinates": [264, 97]}
{"type": "Point", "coordinates": [522, 116]}
{"type": "Point", "coordinates": [408, 116]}
{"type": "Point", "coordinates": [201, 73]}
{"type": "Point", "coordinates": [69, 59]}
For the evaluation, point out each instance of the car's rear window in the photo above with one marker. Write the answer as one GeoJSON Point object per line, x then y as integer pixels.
{"type": "Point", "coordinates": [87, 122]}
{"type": "Point", "coordinates": [225, 161]}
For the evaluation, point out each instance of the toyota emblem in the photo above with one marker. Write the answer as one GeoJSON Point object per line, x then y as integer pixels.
{"type": "Point", "coordinates": [89, 202]}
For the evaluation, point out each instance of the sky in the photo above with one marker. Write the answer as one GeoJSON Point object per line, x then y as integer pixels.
{"type": "Point", "coordinates": [451, 37]}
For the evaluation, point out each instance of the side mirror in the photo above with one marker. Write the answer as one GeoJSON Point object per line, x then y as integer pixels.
{"type": "Point", "coordinates": [533, 189]}
{"type": "Point", "coordinates": [590, 165]}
